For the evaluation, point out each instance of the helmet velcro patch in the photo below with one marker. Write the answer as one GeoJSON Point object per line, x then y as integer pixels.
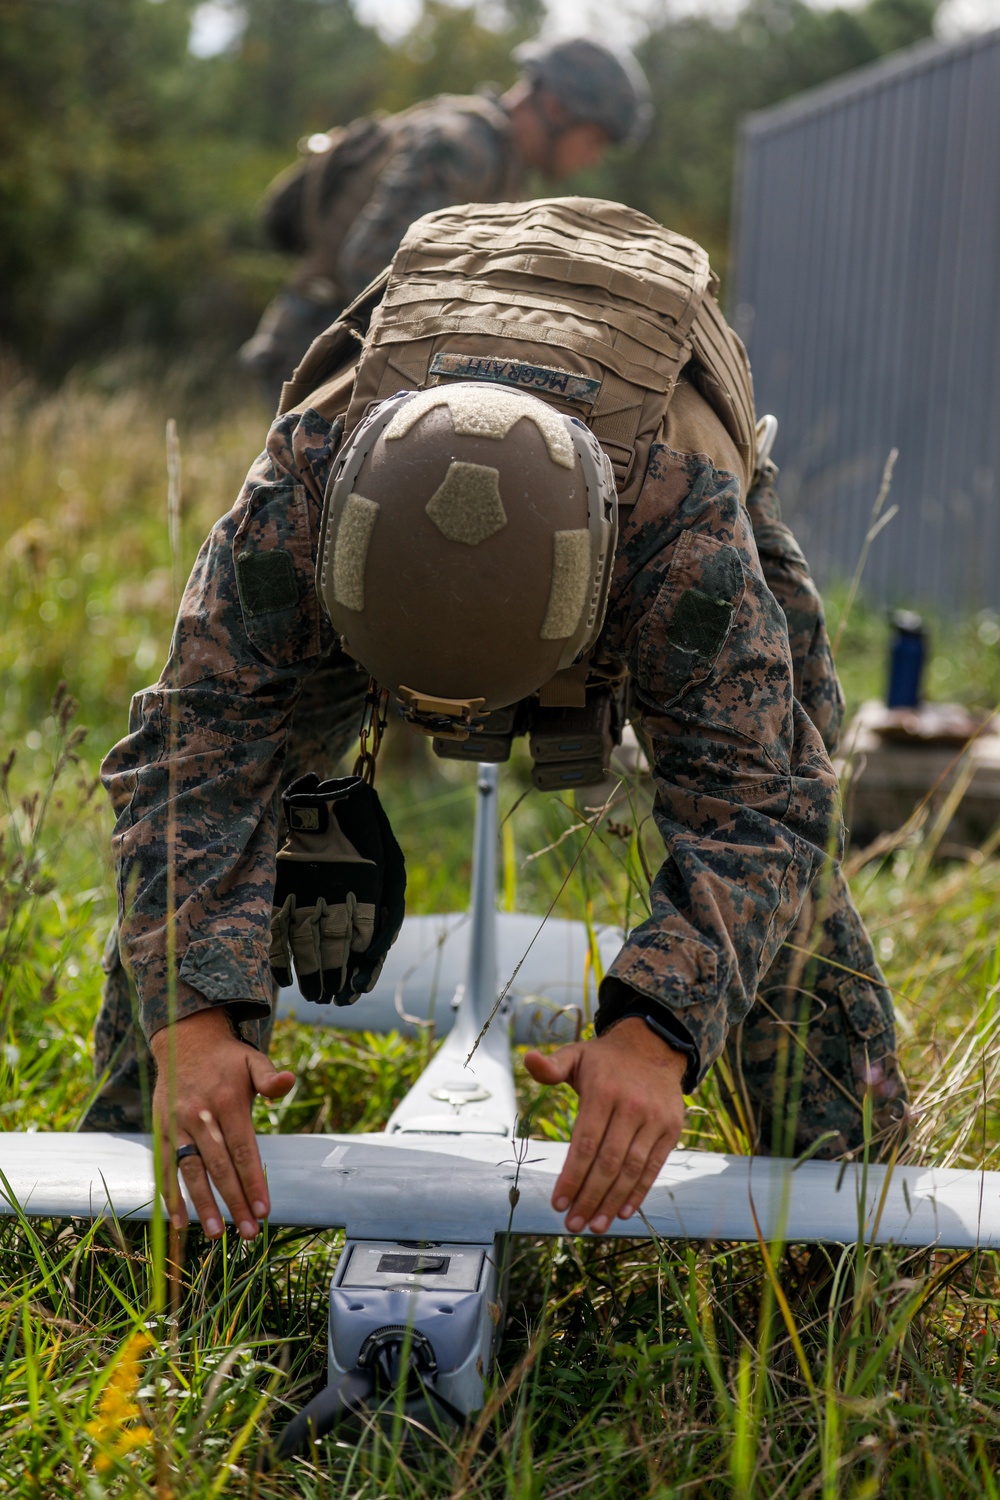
{"type": "Point", "coordinates": [466, 506]}
{"type": "Point", "coordinates": [571, 579]}
{"type": "Point", "coordinates": [487, 411]}
{"type": "Point", "coordinates": [351, 551]}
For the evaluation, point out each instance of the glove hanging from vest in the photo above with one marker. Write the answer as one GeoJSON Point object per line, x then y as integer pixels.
{"type": "Point", "coordinates": [339, 895]}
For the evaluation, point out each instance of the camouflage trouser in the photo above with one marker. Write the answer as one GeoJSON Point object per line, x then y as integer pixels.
{"type": "Point", "coordinates": [324, 729]}
{"type": "Point", "coordinates": [820, 1036]}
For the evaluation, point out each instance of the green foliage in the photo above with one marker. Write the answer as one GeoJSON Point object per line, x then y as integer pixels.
{"type": "Point", "coordinates": [87, 592]}
{"type": "Point", "coordinates": [90, 191]}
{"type": "Point", "coordinates": [449, 50]}
{"type": "Point", "coordinates": [297, 66]}
{"type": "Point", "coordinates": [131, 1367]}
{"type": "Point", "coordinates": [130, 170]}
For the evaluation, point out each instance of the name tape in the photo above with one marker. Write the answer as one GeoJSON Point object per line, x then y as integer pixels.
{"type": "Point", "coordinates": [579, 389]}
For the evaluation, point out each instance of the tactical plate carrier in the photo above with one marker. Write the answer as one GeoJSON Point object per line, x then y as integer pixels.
{"type": "Point", "coordinates": [589, 305]}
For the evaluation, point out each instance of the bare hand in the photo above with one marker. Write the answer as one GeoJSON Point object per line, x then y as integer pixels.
{"type": "Point", "coordinates": [630, 1118]}
{"type": "Point", "coordinates": [215, 1079]}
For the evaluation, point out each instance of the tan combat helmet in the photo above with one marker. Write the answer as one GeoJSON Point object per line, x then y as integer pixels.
{"type": "Point", "coordinates": [466, 548]}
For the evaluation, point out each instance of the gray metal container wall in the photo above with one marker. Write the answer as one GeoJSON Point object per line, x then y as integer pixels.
{"type": "Point", "coordinates": [868, 292]}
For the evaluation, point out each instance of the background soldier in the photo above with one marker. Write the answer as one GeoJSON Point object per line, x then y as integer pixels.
{"type": "Point", "coordinates": [347, 205]}
{"type": "Point", "coordinates": [459, 452]}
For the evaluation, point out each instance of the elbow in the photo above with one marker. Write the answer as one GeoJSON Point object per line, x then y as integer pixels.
{"type": "Point", "coordinates": [816, 809]}
{"type": "Point", "coordinates": [834, 829]}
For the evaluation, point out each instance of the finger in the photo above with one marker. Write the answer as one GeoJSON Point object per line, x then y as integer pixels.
{"type": "Point", "coordinates": [270, 1084]}
{"type": "Point", "coordinates": [278, 1086]}
{"type": "Point", "coordinates": [604, 1169]}
{"type": "Point", "coordinates": [192, 1171]}
{"type": "Point", "coordinates": [585, 1142]}
{"type": "Point", "coordinates": [654, 1165]}
{"type": "Point", "coordinates": [224, 1154]}
{"type": "Point", "coordinates": [557, 1067]}
{"type": "Point", "coordinates": [266, 1079]}
{"type": "Point", "coordinates": [176, 1207]}
{"type": "Point", "coordinates": [245, 1156]}
{"type": "Point", "coordinates": [624, 1193]}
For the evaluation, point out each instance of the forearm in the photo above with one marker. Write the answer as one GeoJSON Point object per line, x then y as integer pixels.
{"type": "Point", "coordinates": [194, 783]}
{"type": "Point", "coordinates": [194, 849]}
{"type": "Point", "coordinates": [724, 900]}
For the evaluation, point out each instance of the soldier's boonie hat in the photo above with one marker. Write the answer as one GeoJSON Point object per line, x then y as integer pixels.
{"type": "Point", "coordinates": [467, 541]}
{"type": "Point", "coordinates": [602, 84]}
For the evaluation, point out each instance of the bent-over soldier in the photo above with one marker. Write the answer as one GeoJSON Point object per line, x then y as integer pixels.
{"type": "Point", "coordinates": [532, 503]}
{"type": "Point", "coordinates": [345, 206]}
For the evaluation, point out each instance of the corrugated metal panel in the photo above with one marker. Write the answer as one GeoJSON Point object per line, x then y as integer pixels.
{"type": "Point", "coordinates": [868, 291]}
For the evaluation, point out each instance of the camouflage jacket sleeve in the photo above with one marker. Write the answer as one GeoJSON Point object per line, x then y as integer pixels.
{"type": "Point", "coordinates": [746, 798]}
{"type": "Point", "coordinates": [444, 157]}
{"type": "Point", "coordinates": [195, 783]}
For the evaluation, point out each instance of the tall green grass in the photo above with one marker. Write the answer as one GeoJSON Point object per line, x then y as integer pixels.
{"type": "Point", "coordinates": [627, 1368]}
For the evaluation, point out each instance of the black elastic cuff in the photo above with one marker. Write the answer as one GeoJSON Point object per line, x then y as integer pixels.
{"type": "Point", "coordinates": [668, 1034]}
{"type": "Point", "coordinates": [626, 1002]}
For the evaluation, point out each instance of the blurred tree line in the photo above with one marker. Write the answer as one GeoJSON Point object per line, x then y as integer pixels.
{"type": "Point", "coordinates": [130, 169]}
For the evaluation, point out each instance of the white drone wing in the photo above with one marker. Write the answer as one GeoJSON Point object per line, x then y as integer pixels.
{"type": "Point", "coordinates": [436, 1188]}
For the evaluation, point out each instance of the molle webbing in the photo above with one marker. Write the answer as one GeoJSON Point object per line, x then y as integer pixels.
{"type": "Point", "coordinates": [720, 371]}
{"type": "Point", "coordinates": [332, 352]}
{"type": "Point", "coordinates": [589, 304]}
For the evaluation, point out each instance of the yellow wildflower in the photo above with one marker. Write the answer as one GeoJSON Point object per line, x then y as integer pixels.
{"type": "Point", "coordinates": [117, 1406]}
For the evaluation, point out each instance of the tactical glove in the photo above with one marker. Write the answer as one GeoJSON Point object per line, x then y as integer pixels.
{"type": "Point", "coordinates": [340, 889]}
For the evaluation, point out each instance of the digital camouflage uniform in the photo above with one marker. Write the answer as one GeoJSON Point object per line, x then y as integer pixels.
{"type": "Point", "coordinates": [446, 151]}
{"type": "Point", "coordinates": [821, 1029]}
{"type": "Point", "coordinates": [746, 799]}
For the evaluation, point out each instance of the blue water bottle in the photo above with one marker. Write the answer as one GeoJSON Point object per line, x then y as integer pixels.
{"type": "Point", "coordinates": [906, 660]}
